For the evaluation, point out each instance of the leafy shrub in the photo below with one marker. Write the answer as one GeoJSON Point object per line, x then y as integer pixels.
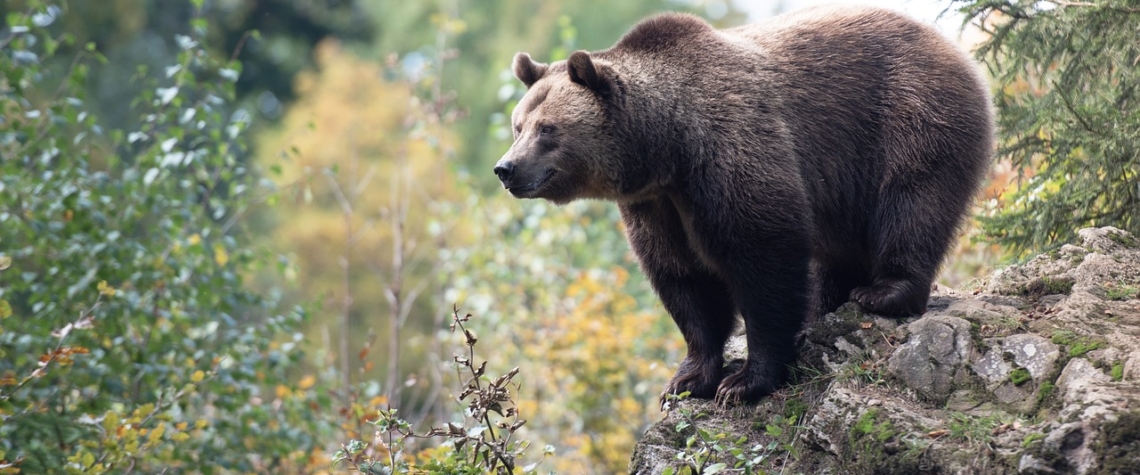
{"type": "Point", "coordinates": [128, 342]}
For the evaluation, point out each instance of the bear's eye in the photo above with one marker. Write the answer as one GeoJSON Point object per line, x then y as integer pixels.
{"type": "Point", "coordinates": [546, 129]}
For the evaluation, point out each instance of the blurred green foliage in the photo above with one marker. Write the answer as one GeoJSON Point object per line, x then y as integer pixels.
{"type": "Point", "coordinates": [272, 38]}
{"type": "Point", "coordinates": [1069, 117]}
{"type": "Point", "coordinates": [148, 324]}
{"type": "Point", "coordinates": [128, 341]}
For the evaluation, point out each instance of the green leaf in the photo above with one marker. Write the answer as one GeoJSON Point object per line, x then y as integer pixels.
{"type": "Point", "coordinates": [714, 468]}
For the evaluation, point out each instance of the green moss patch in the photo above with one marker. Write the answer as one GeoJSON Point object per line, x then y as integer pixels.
{"type": "Point", "coordinates": [1020, 376]}
{"type": "Point", "coordinates": [1048, 286]}
{"type": "Point", "coordinates": [1126, 240]}
{"type": "Point", "coordinates": [1077, 345]}
{"type": "Point", "coordinates": [1119, 445]}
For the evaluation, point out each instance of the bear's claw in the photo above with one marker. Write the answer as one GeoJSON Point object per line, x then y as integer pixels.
{"type": "Point", "coordinates": [895, 298]}
{"type": "Point", "coordinates": [700, 381]}
{"type": "Point", "coordinates": [747, 385]}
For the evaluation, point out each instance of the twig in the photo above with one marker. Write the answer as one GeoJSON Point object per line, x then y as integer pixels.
{"type": "Point", "coordinates": [54, 355]}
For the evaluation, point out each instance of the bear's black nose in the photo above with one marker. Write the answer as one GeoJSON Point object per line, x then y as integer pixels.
{"type": "Point", "coordinates": [504, 170]}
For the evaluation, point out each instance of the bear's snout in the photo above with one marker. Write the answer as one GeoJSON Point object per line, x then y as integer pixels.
{"type": "Point", "coordinates": [524, 180]}
{"type": "Point", "coordinates": [504, 170]}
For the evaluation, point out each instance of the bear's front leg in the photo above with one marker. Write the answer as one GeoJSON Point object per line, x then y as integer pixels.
{"type": "Point", "coordinates": [698, 300]}
{"type": "Point", "coordinates": [768, 272]}
{"type": "Point", "coordinates": [703, 310]}
{"type": "Point", "coordinates": [772, 289]}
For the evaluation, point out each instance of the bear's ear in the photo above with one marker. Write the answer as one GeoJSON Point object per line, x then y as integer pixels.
{"type": "Point", "coordinates": [528, 71]}
{"type": "Point", "coordinates": [583, 71]}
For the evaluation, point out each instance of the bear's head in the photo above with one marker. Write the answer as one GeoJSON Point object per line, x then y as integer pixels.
{"type": "Point", "coordinates": [564, 145]}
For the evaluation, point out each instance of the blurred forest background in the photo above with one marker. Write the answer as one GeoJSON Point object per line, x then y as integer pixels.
{"type": "Point", "coordinates": [234, 233]}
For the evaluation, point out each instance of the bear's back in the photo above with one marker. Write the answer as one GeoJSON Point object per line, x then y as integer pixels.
{"type": "Point", "coordinates": [852, 59]}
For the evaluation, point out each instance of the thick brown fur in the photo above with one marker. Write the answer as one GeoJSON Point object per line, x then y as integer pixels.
{"type": "Point", "coordinates": [773, 171]}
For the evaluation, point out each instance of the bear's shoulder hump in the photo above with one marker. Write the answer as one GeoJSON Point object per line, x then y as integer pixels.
{"type": "Point", "coordinates": [664, 30]}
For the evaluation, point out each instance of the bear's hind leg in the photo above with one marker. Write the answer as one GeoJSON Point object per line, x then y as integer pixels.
{"type": "Point", "coordinates": [834, 281]}
{"type": "Point", "coordinates": [915, 225]}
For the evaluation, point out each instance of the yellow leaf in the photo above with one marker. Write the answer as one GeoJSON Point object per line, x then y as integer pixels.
{"type": "Point", "coordinates": [194, 239]}
{"type": "Point", "coordinates": [87, 460]}
{"type": "Point", "coordinates": [5, 262]}
{"type": "Point", "coordinates": [180, 437]}
{"type": "Point", "coordinates": [181, 425]}
{"type": "Point", "coordinates": [140, 412]}
{"type": "Point", "coordinates": [307, 382]}
{"type": "Point", "coordinates": [156, 433]}
{"type": "Point", "coordinates": [111, 422]}
{"type": "Point", "coordinates": [378, 401]}
{"type": "Point", "coordinates": [105, 289]}
{"type": "Point", "coordinates": [201, 424]}
{"type": "Point", "coordinates": [5, 309]}
{"type": "Point", "coordinates": [220, 255]}
{"type": "Point", "coordinates": [197, 376]}
{"type": "Point", "coordinates": [282, 391]}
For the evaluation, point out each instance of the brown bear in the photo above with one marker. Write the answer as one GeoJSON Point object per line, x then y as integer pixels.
{"type": "Point", "coordinates": [772, 171]}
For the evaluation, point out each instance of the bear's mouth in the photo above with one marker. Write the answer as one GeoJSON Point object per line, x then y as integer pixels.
{"type": "Point", "coordinates": [524, 191]}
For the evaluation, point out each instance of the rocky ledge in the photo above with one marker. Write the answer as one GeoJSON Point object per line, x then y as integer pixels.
{"type": "Point", "coordinates": [1035, 372]}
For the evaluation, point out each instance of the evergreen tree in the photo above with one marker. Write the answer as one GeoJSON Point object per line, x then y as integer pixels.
{"type": "Point", "coordinates": [1068, 114]}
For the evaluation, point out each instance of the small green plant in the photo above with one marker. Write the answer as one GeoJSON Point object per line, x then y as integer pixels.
{"type": "Point", "coordinates": [1117, 372]}
{"type": "Point", "coordinates": [483, 443]}
{"type": "Point", "coordinates": [863, 370]}
{"type": "Point", "coordinates": [1031, 438]}
{"type": "Point", "coordinates": [1044, 392]}
{"type": "Point", "coordinates": [971, 428]}
{"type": "Point", "coordinates": [708, 453]}
{"type": "Point", "coordinates": [794, 409]}
{"type": "Point", "coordinates": [869, 424]}
{"type": "Point", "coordinates": [1020, 376]}
{"type": "Point", "coordinates": [1120, 292]}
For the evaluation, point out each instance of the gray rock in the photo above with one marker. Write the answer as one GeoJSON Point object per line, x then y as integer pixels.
{"type": "Point", "coordinates": [1032, 353]}
{"type": "Point", "coordinates": [916, 397]}
{"type": "Point", "coordinates": [933, 355]}
{"type": "Point", "coordinates": [1030, 465]}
